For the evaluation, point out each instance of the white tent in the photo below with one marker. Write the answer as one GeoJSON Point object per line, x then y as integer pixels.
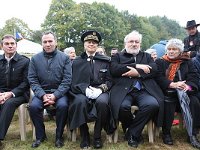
{"type": "Point", "coordinates": [28, 47]}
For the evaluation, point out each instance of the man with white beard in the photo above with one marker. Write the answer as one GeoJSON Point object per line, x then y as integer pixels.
{"type": "Point", "coordinates": [134, 71]}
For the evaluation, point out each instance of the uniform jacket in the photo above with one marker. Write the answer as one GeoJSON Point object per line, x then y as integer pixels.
{"type": "Point", "coordinates": [119, 63]}
{"type": "Point", "coordinates": [82, 73]}
{"type": "Point", "coordinates": [50, 74]}
{"type": "Point", "coordinates": [15, 78]}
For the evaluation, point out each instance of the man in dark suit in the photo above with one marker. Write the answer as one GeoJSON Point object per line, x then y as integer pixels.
{"type": "Point", "coordinates": [50, 78]}
{"type": "Point", "coordinates": [14, 87]}
{"type": "Point", "coordinates": [133, 71]}
{"type": "Point", "coordinates": [90, 86]}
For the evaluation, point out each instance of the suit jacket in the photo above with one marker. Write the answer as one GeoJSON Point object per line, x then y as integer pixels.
{"type": "Point", "coordinates": [15, 78]}
{"type": "Point", "coordinates": [119, 63]}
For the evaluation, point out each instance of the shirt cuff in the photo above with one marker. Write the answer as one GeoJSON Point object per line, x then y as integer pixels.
{"type": "Point", "coordinates": [13, 94]}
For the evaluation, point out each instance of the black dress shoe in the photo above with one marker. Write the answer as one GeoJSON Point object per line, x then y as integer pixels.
{"type": "Point", "coordinates": [37, 143]}
{"type": "Point", "coordinates": [97, 143]}
{"type": "Point", "coordinates": [85, 144]}
{"type": "Point", "coordinates": [59, 143]}
{"type": "Point", "coordinates": [167, 139]}
{"type": "Point", "coordinates": [133, 141]}
{"type": "Point", "coordinates": [194, 141]}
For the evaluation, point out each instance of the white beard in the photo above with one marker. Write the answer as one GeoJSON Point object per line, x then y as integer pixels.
{"type": "Point", "coordinates": [132, 51]}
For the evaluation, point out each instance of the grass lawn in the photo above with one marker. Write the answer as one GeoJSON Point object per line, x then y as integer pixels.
{"type": "Point", "coordinates": [12, 141]}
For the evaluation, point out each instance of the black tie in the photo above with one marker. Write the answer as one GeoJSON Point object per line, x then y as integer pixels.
{"type": "Point", "coordinates": [91, 64]}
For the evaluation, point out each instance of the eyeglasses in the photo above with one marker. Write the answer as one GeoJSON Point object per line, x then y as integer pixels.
{"type": "Point", "coordinates": [134, 41]}
{"type": "Point", "coordinates": [11, 43]}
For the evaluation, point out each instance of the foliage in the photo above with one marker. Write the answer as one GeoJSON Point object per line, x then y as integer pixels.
{"type": "Point", "coordinates": [69, 20]}
{"type": "Point", "coordinates": [15, 25]}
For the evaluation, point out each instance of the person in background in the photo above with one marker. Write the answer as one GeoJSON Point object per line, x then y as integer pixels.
{"type": "Point", "coordinates": [70, 51]}
{"type": "Point", "coordinates": [176, 71]}
{"type": "Point", "coordinates": [114, 51]}
{"type": "Point", "coordinates": [133, 71]}
{"type": "Point", "coordinates": [192, 41]}
{"type": "Point", "coordinates": [91, 82]}
{"type": "Point", "coordinates": [49, 76]}
{"type": "Point", "coordinates": [101, 50]}
{"type": "Point", "coordinates": [14, 87]}
{"type": "Point", "coordinates": [160, 47]}
{"type": "Point", "coordinates": [152, 52]}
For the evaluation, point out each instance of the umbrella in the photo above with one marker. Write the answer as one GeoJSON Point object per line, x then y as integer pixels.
{"type": "Point", "coordinates": [185, 108]}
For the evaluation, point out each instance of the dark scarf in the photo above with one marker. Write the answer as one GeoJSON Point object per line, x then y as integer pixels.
{"type": "Point", "coordinates": [174, 65]}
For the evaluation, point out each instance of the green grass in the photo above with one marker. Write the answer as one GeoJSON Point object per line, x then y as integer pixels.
{"type": "Point", "coordinates": [12, 141]}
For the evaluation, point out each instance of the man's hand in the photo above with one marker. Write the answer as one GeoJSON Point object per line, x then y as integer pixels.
{"type": "Point", "coordinates": [49, 99]}
{"type": "Point", "coordinates": [2, 98]}
{"type": "Point", "coordinates": [5, 96]}
{"type": "Point", "coordinates": [131, 73]}
{"type": "Point", "coordinates": [145, 68]}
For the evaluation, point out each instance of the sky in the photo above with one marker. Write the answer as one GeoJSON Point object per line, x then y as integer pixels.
{"type": "Point", "coordinates": [33, 12]}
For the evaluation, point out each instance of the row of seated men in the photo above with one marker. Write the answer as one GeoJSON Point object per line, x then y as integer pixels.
{"type": "Point", "coordinates": [96, 88]}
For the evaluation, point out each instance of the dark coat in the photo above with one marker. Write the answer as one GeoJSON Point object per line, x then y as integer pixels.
{"type": "Point", "coordinates": [15, 78]}
{"type": "Point", "coordinates": [81, 79]}
{"type": "Point", "coordinates": [187, 71]}
{"type": "Point", "coordinates": [192, 43]}
{"type": "Point", "coordinates": [82, 73]}
{"type": "Point", "coordinates": [119, 63]}
{"type": "Point", "coordinates": [50, 74]}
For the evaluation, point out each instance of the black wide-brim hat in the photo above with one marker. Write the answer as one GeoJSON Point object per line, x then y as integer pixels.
{"type": "Point", "coordinates": [91, 35]}
{"type": "Point", "coordinates": [191, 24]}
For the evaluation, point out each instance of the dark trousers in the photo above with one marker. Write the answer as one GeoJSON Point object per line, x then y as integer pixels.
{"type": "Point", "coordinates": [36, 114]}
{"type": "Point", "coordinates": [148, 107]}
{"type": "Point", "coordinates": [170, 106]}
{"type": "Point", "coordinates": [7, 111]}
{"type": "Point", "coordinates": [80, 114]}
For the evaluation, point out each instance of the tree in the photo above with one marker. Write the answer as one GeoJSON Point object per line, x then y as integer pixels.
{"type": "Point", "coordinates": [16, 25]}
{"type": "Point", "coordinates": [69, 20]}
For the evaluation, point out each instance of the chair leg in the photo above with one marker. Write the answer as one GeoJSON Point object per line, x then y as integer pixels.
{"type": "Point", "coordinates": [116, 134]}
{"type": "Point", "coordinates": [22, 121]}
{"type": "Point", "coordinates": [109, 138]}
{"type": "Point", "coordinates": [73, 135]}
{"type": "Point", "coordinates": [150, 131]}
{"type": "Point", "coordinates": [33, 130]}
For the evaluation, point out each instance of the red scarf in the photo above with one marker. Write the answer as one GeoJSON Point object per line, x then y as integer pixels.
{"type": "Point", "coordinates": [174, 65]}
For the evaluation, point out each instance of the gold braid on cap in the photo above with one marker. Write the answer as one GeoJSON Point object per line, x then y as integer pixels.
{"type": "Point", "coordinates": [91, 37]}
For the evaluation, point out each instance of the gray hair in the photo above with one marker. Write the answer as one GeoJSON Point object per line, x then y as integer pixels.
{"type": "Point", "coordinates": [68, 50]}
{"type": "Point", "coordinates": [176, 43]}
{"type": "Point", "coordinates": [150, 50]}
{"type": "Point", "coordinates": [133, 33]}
